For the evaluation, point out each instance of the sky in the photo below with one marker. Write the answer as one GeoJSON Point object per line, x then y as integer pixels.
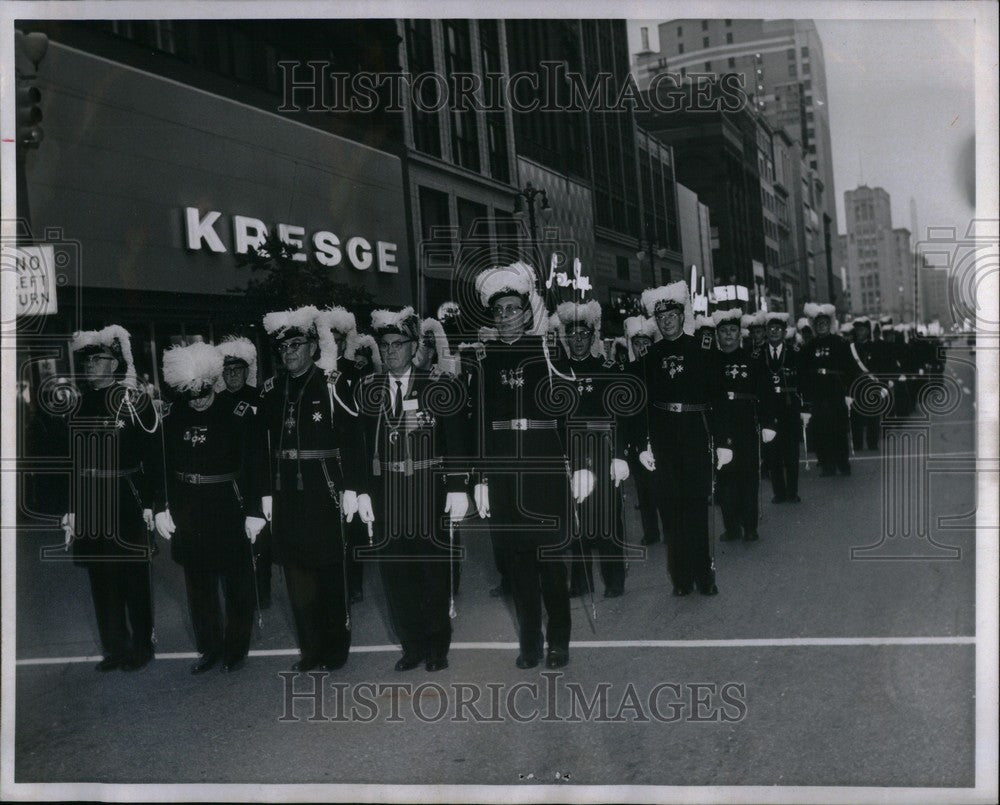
{"type": "Point", "coordinates": [902, 101]}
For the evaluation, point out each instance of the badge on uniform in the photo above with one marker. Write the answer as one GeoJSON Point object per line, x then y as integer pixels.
{"type": "Point", "coordinates": [269, 384]}
{"type": "Point", "coordinates": [241, 408]}
{"type": "Point", "coordinates": [706, 340]}
{"type": "Point", "coordinates": [674, 364]}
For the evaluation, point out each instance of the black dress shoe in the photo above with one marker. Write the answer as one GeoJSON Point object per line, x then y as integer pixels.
{"type": "Point", "coordinates": [778, 499]}
{"type": "Point", "coordinates": [408, 662]}
{"type": "Point", "coordinates": [228, 666]}
{"type": "Point", "coordinates": [437, 664]}
{"type": "Point", "coordinates": [614, 592]}
{"type": "Point", "coordinates": [845, 470]}
{"type": "Point", "coordinates": [680, 590]}
{"type": "Point", "coordinates": [794, 499]}
{"type": "Point", "coordinates": [557, 658]}
{"type": "Point", "coordinates": [109, 664]}
{"type": "Point", "coordinates": [205, 663]}
{"type": "Point", "coordinates": [752, 536]}
{"type": "Point", "coordinates": [524, 663]}
{"type": "Point", "coordinates": [708, 589]}
{"type": "Point", "coordinates": [305, 664]}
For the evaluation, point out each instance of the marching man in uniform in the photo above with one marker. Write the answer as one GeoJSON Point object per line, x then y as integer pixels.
{"type": "Point", "coordinates": [201, 509]}
{"type": "Point", "coordinates": [520, 424]}
{"type": "Point", "coordinates": [872, 359]}
{"type": "Point", "coordinates": [782, 403]}
{"type": "Point", "coordinates": [827, 375]}
{"type": "Point", "coordinates": [314, 483]}
{"type": "Point", "coordinates": [738, 386]}
{"type": "Point", "coordinates": [595, 444]}
{"type": "Point", "coordinates": [239, 385]}
{"type": "Point", "coordinates": [117, 457]}
{"type": "Point", "coordinates": [678, 435]}
{"type": "Point", "coordinates": [412, 420]}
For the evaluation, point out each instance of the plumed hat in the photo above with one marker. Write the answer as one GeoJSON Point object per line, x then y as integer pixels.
{"type": "Point", "coordinates": [572, 313]}
{"type": "Point", "coordinates": [192, 367]}
{"type": "Point", "coordinates": [113, 339]}
{"type": "Point", "coordinates": [733, 315]}
{"type": "Point", "coordinates": [675, 294]}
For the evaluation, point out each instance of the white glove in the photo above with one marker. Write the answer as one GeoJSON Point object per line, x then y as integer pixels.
{"type": "Point", "coordinates": [164, 524]}
{"type": "Point", "coordinates": [902, 378]}
{"type": "Point", "coordinates": [252, 526]}
{"type": "Point", "coordinates": [805, 417]}
{"type": "Point", "coordinates": [147, 518]}
{"type": "Point", "coordinates": [647, 460]}
{"type": "Point", "coordinates": [582, 484]}
{"type": "Point", "coordinates": [884, 392]}
{"type": "Point", "coordinates": [365, 511]}
{"type": "Point", "coordinates": [920, 371]}
{"type": "Point", "coordinates": [349, 504]}
{"type": "Point", "coordinates": [267, 506]}
{"type": "Point", "coordinates": [849, 401]}
{"type": "Point", "coordinates": [767, 435]}
{"type": "Point", "coordinates": [457, 505]}
{"type": "Point", "coordinates": [723, 456]}
{"type": "Point", "coordinates": [68, 524]}
{"type": "Point", "coordinates": [619, 471]}
{"type": "Point", "coordinates": [891, 384]}
{"type": "Point", "coordinates": [481, 495]}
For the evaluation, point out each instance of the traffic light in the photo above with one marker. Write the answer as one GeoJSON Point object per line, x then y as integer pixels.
{"type": "Point", "coordinates": [30, 50]}
{"type": "Point", "coordinates": [29, 115]}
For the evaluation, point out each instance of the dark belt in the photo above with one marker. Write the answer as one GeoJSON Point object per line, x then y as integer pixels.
{"type": "Point", "coordinates": [197, 478]}
{"type": "Point", "coordinates": [739, 395]}
{"type": "Point", "coordinates": [295, 455]}
{"type": "Point", "coordinates": [524, 424]}
{"type": "Point", "coordinates": [408, 466]}
{"type": "Point", "coordinates": [680, 408]}
{"type": "Point", "coordinates": [90, 472]}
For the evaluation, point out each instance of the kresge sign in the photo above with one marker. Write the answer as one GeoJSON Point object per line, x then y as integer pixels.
{"type": "Point", "coordinates": [202, 232]}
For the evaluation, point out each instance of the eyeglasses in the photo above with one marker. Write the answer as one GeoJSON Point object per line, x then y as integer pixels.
{"type": "Point", "coordinates": [236, 369]}
{"type": "Point", "coordinates": [506, 311]}
{"type": "Point", "coordinates": [393, 346]}
{"type": "Point", "coordinates": [99, 358]}
{"type": "Point", "coordinates": [580, 335]}
{"type": "Point", "coordinates": [663, 314]}
{"type": "Point", "coordinates": [286, 346]}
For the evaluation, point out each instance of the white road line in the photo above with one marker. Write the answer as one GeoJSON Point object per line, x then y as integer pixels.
{"type": "Point", "coordinates": [765, 642]}
{"type": "Point", "coordinates": [877, 456]}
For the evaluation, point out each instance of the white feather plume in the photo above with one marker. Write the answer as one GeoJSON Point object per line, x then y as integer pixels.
{"type": "Point", "coordinates": [192, 367]}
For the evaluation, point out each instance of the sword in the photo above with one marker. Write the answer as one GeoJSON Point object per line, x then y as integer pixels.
{"type": "Point", "coordinates": [805, 444]}
{"type": "Point", "coordinates": [256, 590]}
{"type": "Point", "coordinates": [452, 613]}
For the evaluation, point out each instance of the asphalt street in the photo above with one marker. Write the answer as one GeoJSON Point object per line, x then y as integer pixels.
{"type": "Point", "coordinates": [815, 665]}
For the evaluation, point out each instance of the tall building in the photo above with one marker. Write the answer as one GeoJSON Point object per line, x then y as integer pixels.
{"type": "Point", "coordinates": [610, 187]}
{"type": "Point", "coordinates": [934, 298]}
{"type": "Point", "coordinates": [879, 259]}
{"type": "Point", "coordinates": [696, 235]}
{"type": "Point", "coordinates": [784, 74]}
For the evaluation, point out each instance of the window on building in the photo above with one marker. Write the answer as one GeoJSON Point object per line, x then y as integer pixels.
{"type": "Point", "coordinates": [731, 62]}
{"type": "Point", "coordinates": [683, 71]}
{"type": "Point", "coordinates": [420, 55]}
{"type": "Point", "coordinates": [807, 84]}
{"type": "Point", "coordinates": [729, 39]}
{"type": "Point", "coordinates": [621, 267]}
{"type": "Point", "coordinates": [704, 25]}
{"type": "Point", "coordinates": [464, 125]}
{"type": "Point", "coordinates": [729, 23]}
{"type": "Point", "coordinates": [805, 52]}
{"type": "Point", "coordinates": [496, 121]}
{"type": "Point", "coordinates": [792, 72]}
{"type": "Point", "coordinates": [680, 47]}
{"type": "Point", "coordinates": [704, 42]}
{"type": "Point", "coordinates": [708, 67]}
{"type": "Point", "coordinates": [805, 68]}
{"type": "Point", "coordinates": [435, 219]}
{"type": "Point", "coordinates": [680, 30]}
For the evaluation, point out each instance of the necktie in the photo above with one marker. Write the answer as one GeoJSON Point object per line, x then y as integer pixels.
{"type": "Point", "coordinates": [397, 400]}
{"type": "Point", "coordinates": [774, 353]}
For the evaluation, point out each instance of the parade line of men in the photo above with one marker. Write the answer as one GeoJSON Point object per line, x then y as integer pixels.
{"type": "Point", "coordinates": [528, 431]}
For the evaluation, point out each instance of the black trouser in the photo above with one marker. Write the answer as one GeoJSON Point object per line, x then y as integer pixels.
{"type": "Point", "coordinates": [536, 579]}
{"type": "Point", "coordinates": [357, 537]}
{"type": "Point", "coordinates": [831, 426]}
{"type": "Point", "coordinates": [316, 593]}
{"type": "Point", "coordinates": [122, 599]}
{"type": "Point", "coordinates": [501, 558]}
{"type": "Point", "coordinates": [737, 484]}
{"type": "Point", "coordinates": [217, 633]}
{"type": "Point", "coordinates": [263, 551]}
{"type": "Point", "coordinates": [782, 457]}
{"type": "Point", "coordinates": [418, 596]}
{"type": "Point", "coordinates": [865, 429]}
{"type": "Point", "coordinates": [645, 493]}
{"type": "Point", "coordinates": [602, 542]}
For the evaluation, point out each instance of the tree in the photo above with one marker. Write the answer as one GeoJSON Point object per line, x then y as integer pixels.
{"type": "Point", "coordinates": [277, 281]}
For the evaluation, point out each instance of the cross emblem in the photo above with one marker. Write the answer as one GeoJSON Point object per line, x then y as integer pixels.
{"type": "Point", "coordinates": [290, 421]}
{"type": "Point", "coordinates": [196, 436]}
{"type": "Point", "coordinates": [585, 385]}
{"type": "Point", "coordinates": [512, 377]}
{"type": "Point", "coordinates": [119, 423]}
{"type": "Point", "coordinates": [317, 416]}
{"type": "Point", "coordinates": [674, 365]}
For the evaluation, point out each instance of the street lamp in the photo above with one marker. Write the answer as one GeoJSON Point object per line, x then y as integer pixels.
{"type": "Point", "coordinates": [641, 254]}
{"type": "Point", "coordinates": [524, 204]}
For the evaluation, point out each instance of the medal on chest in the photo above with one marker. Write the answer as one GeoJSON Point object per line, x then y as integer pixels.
{"type": "Point", "coordinates": [514, 378]}
{"type": "Point", "coordinates": [674, 364]}
{"type": "Point", "coordinates": [290, 419]}
{"type": "Point", "coordinates": [822, 352]}
{"type": "Point", "coordinates": [584, 385]}
{"type": "Point", "coordinates": [735, 370]}
{"type": "Point", "coordinates": [196, 435]}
